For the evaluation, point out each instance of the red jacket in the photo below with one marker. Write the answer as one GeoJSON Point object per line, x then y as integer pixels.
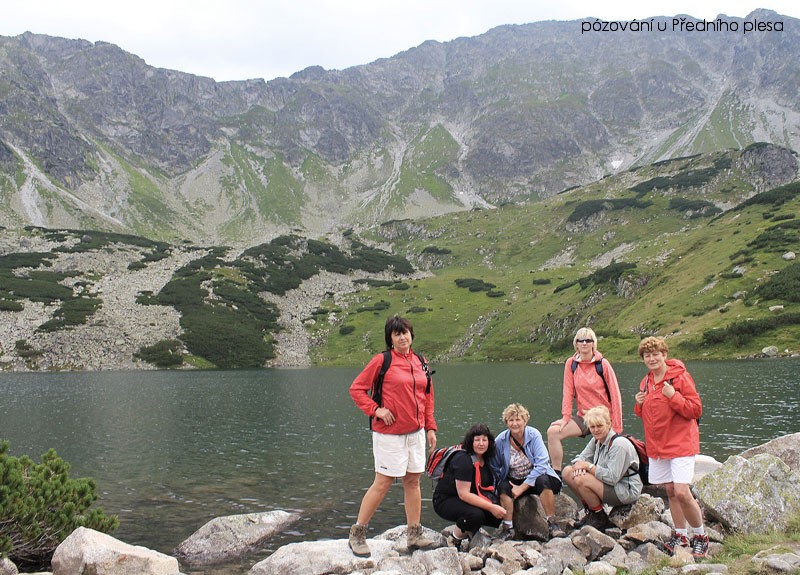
{"type": "Point", "coordinates": [404, 394]}
{"type": "Point", "coordinates": [587, 385]}
{"type": "Point", "coordinates": [670, 425]}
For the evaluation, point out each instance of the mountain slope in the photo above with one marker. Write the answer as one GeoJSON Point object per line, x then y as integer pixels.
{"type": "Point", "coordinates": [91, 136]}
{"type": "Point", "coordinates": [697, 249]}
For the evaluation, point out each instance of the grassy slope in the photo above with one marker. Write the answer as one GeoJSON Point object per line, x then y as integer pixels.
{"type": "Point", "coordinates": [685, 265]}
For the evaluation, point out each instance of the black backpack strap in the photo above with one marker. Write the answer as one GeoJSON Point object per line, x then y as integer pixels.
{"type": "Point", "coordinates": [377, 385]}
{"type": "Point", "coordinates": [598, 366]}
{"type": "Point", "coordinates": [426, 368]}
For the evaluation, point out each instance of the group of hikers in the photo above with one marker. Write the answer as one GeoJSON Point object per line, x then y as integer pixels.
{"type": "Point", "coordinates": [487, 474]}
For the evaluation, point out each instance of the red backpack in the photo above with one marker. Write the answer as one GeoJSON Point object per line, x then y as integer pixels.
{"type": "Point", "coordinates": [641, 451]}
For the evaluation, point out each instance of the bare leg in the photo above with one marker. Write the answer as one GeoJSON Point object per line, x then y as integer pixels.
{"type": "Point", "coordinates": [412, 498]}
{"type": "Point", "coordinates": [373, 497]}
{"type": "Point", "coordinates": [690, 510]}
{"type": "Point", "coordinates": [555, 436]}
{"type": "Point", "coordinates": [548, 499]}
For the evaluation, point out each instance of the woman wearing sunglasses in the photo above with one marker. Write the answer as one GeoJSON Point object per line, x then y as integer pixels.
{"type": "Point", "coordinates": [589, 380]}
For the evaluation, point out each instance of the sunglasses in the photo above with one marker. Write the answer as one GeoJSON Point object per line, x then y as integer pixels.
{"type": "Point", "coordinates": [585, 340]}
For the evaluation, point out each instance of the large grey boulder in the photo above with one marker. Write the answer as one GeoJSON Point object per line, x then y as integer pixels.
{"type": "Point", "coordinates": [229, 538]}
{"type": "Point", "coordinates": [323, 557]}
{"type": "Point", "coordinates": [754, 495]}
{"type": "Point", "coordinates": [786, 448]}
{"type": "Point", "coordinates": [89, 552]}
{"type": "Point", "coordinates": [646, 509]}
{"type": "Point", "coordinates": [530, 521]}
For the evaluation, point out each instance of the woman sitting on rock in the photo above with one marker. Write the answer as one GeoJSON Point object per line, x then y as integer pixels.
{"type": "Point", "coordinates": [522, 468]}
{"type": "Point", "coordinates": [465, 493]}
{"type": "Point", "coordinates": [606, 471]}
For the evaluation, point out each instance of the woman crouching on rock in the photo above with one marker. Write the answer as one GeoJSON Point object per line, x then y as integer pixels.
{"type": "Point", "coordinates": [605, 472]}
{"type": "Point", "coordinates": [465, 493]}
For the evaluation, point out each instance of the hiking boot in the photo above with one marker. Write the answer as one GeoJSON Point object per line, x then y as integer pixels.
{"type": "Point", "coordinates": [416, 537]}
{"type": "Point", "coordinates": [553, 530]}
{"type": "Point", "coordinates": [597, 519]}
{"type": "Point", "coordinates": [358, 540]}
{"type": "Point", "coordinates": [461, 545]}
{"type": "Point", "coordinates": [505, 532]}
{"type": "Point", "coordinates": [699, 545]}
{"type": "Point", "coordinates": [676, 541]}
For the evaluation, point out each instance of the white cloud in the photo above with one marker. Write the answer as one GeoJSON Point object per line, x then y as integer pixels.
{"type": "Point", "coordinates": [243, 39]}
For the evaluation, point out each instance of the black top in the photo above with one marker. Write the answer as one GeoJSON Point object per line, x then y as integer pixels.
{"type": "Point", "coordinates": [460, 467]}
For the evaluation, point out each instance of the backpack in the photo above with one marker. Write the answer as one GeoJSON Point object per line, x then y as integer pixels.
{"type": "Point", "coordinates": [438, 460]}
{"type": "Point", "coordinates": [641, 451]}
{"type": "Point", "coordinates": [377, 385]}
{"type": "Point", "coordinates": [598, 366]}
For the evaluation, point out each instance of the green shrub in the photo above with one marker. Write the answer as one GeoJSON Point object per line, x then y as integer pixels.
{"type": "Point", "coordinates": [609, 274]}
{"type": "Point", "coordinates": [699, 208]}
{"type": "Point", "coordinates": [564, 286]}
{"type": "Point", "coordinates": [417, 309]}
{"type": "Point", "coordinates": [591, 207]}
{"type": "Point", "coordinates": [377, 306]}
{"type": "Point", "coordinates": [777, 238]}
{"type": "Point", "coordinates": [164, 354]}
{"type": "Point", "coordinates": [10, 305]}
{"type": "Point", "coordinates": [775, 197]}
{"type": "Point", "coordinates": [783, 285]}
{"type": "Point", "coordinates": [73, 312]}
{"type": "Point", "coordinates": [541, 281]}
{"type": "Point", "coordinates": [495, 293]}
{"type": "Point", "coordinates": [346, 329]}
{"type": "Point", "coordinates": [40, 505]}
{"type": "Point", "coordinates": [436, 251]}
{"type": "Point", "coordinates": [26, 350]}
{"type": "Point", "coordinates": [740, 333]}
{"type": "Point", "coordinates": [474, 284]}
{"type": "Point", "coordinates": [225, 338]}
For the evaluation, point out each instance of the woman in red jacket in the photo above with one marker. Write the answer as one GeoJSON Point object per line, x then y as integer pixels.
{"type": "Point", "coordinates": [669, 406]}
{"type": "Point", "coordinates": [589, 380]}
{"type": "Point", "coordinates": [400, 425]}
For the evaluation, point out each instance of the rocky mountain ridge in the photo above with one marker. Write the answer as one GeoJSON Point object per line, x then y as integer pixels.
{"type": "Point", "coordinates": [91, 137]}
{"type": "Point", "coordinates": [681, 248]}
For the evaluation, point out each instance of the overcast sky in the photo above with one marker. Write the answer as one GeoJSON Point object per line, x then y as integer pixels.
{"type": "Point", "coordinates": [241, 39]}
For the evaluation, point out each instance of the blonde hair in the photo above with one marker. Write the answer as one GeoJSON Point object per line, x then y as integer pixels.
{"type": "Point", "coordinates": [516, 410]}
{"type": "Point", "coordinates": [598, 415]}
{"type": "Point", "coordinates": [584, 333]}
{"type": "Point", "coordinates": [651, 344]}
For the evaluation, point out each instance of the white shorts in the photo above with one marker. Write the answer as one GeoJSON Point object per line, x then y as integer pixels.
{"type": "Point", "coordinates": [396, 455]}
{"type": "Point", "coordinates": [676, 470]}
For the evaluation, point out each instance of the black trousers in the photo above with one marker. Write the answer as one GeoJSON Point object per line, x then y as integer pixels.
{"type": "Point", "coordinates": [466, 517]}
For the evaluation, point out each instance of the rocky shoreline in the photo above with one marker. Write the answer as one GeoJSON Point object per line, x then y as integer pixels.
{"type": "Point", "coordinates": [754, 492]}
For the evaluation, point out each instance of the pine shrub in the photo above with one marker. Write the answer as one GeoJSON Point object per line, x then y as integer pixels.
{"type": "Point", "coordinates": [40, 505]}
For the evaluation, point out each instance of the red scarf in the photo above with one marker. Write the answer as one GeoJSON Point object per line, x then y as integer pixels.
{"type": "Point", "coordinates": [480, 488]}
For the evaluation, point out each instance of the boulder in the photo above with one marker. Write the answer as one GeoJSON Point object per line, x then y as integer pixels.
{"type": "Point", "coordinates": [530, 521]}
{"type": "Point", "coordinates": [647, 508]}
{"type": "Point", "coordinates": [322, 557]}
{"type": "Point", "coordinates": [754, 495]}
{"type": "Point", "coordinates": [229, 538]}
{"type": "Point", "coordinates": [592, 543]}
{"type": "Point", "coordinates": [786, 448]}
{"type": "Point", "coordinates": [89, 552]}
